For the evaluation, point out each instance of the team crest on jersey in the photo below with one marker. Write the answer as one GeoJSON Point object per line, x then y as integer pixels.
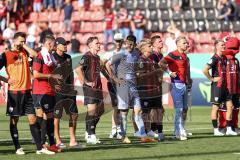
{"type": "Point", "coordinates": [10, 109]}
{"type": "Point", "coordinates": [46, 106]}
{"type": "Point", "coordinates": [57, 111]}
{"type": "Point", "coordinates": [145, 103]}
{"type": "Point", "coordinates": [216, 98]}
{"type": "Point", "coordinates": [82, 61]}
{"type": "Point", "coordinates": [141, 65]}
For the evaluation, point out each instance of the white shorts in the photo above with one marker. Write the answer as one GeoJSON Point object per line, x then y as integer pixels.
{"type": "Point", "coordinates": [127, 96]}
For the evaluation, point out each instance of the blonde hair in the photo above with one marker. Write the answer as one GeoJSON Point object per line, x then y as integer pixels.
{"type": "Point", "coordinates": [143, 43]}
{"type": "Point", "coordinates": [180, 38]}
{"type": "Point", "coordinates": [216, 43]}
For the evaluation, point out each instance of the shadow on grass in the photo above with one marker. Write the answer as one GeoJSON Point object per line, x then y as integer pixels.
{"type": "Point", "coordinates": [181, 155]}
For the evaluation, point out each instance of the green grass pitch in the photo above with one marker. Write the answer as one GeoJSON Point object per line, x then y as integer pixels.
{"type": "Point", "coordinates": [200, 146]}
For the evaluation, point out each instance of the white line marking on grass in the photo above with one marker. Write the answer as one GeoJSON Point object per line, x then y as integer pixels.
{"type": "Point", "coordinates": [99, 133]}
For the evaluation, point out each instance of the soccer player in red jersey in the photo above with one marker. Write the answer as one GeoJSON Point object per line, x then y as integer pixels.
{"type": "Point", "coordinates": [233, 77]}
{"type": "Point", "coordinates": [177, 62]}
{"type": "Point", "coordinates": [20, 100]}
{"type": "Point", "coordinates": [219, 92]}
{"type": "Point", "coordinates": [157, 107]}
{"type": "Point", "coordinates": [89, 74]}
{"type": "Point", "coordinates": [43, 91]}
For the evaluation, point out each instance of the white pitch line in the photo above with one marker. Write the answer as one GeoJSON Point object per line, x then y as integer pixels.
{"type": "Point", "coordinates": [99, 133]}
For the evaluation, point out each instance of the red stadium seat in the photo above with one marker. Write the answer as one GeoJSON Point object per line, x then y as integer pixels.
{"type": "Point", "coordinates": [75, 5]}
{"type": "Point", "coordinates": [67, 36]}
{"type": "Point", "coordinates": [75, 16]}
{"type": "Point", "coordinates": [205, 48]}
{"type": "Point", "coordinates": [54, 16]}
{"type": "Point", "coordinates": [56, 27]}
{"type": "Point", "coordinates": [205, 37]}
{"type": "Point", "coordinates": [97, 16]}
{"type": "Point", "coordinates": [75, 26]}
{"type": "Point", "coordinates": [237, 34]}
{"type": "Point", "coordinates": [1, 49]}
{"type": "Point", "coordinates": [23, 27]}
{"type": "Point", "coordinates": [32, 17]}
{"type": "Point", "coordinates": [44, 16]}
{"type": "Point", "coordinates": [83, 49]}
{"type": "Point", "coordinates": [216, 35]}
{"type": "Point", "coordinates": [193, 36]}
{"type": "Point", "coordinates": [84, 38]}
{"type": "Point", "coordinates": [100, 37]}
{"type": "Point", "coordinates": [98, 27]}
{"type": "Point", "coordinates": [79, 36]}
{"type": "Point", "coordinates": [86, 27]}
{"type": "Point", "coordinates": [86, 16]}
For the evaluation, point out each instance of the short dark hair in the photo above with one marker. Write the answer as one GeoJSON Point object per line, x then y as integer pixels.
{"type": "Point", "coordinates": [132, 38]}
{"type": "Point", "coordinates": [48, 37]}
{"type": "Point", "coordinates": [91, 39]}
{"type": "Point", "coordinates": [153, 39]}
{"type": "Point", "coordinates": [19, 34]}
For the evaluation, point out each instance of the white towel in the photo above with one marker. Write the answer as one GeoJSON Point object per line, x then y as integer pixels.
{"type": "Point", "coordinates": [48, 58]}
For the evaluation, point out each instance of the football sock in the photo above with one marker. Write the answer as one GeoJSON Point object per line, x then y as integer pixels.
{"type": "Point", "coordinates": [90, 124]}
{"type": "Point", "coordinates": [139, 122]}
{"type": "Point", "coordinates": [36, 134]}
{"type": "Point", "coordinates": [124, 124]}
{"type": "Point", "coordinates": [50, 130]}
{"type": "Point", "coordinates": [214, 123]}
{"type": "Point", "coordinates": [14, 135]}
{"type": "Point", "coordinates": [228, 123]}
{"type": "Point", "coordinates": [159, 128]}
{"type": "Point", "coordinates": [153, 126]}
{"type": "Point", "coordinates": [43, 131]}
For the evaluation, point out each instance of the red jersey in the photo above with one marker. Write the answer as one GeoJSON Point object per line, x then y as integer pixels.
{"type": "Point", "coordinates": [3, 11]}
{"type": "Point", "coordinates": [42, 86]}
{"type": "Point", "coordinates": [123, 16]}
{"type": "Point", "coordinates": [37, 1]}
{"type": "Point", "coordinates": [178, 62]}
{"type": "Point", "coordinates": [138, 19]}
{"type": "Point", "coordinates": [233, 75]}
{"type": "Point", "coordinates": [218, 66]}
{"type": "Point", "coordinates": [109, 18]}
{"type": "Point", "coordinates": [91, 69]}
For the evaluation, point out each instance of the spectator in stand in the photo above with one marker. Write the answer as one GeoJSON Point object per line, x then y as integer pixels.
{"type": "Point", "coordinates": [185, 4]}
{"type": "Point", "coordinates": [12, 9]}
{"type": "Point", "coordinates": [3, 15]}
{"type": "Point", "coordinates": [68, 10]}
{"type": "Point", "coordinates": [138, 25]}
{"type": "Point", "coordinates": [6, 45]}
{"type": "Point", "coordinates": [174, 32]}
{"type": "Point", "coordinates": [123, 20]}
{"type": "Point", "coordinates": [58, 5]}
{"type": "Point", "coordinates": [237, 7]}
{"type": "Point", "coordinates": [226, 10]}
{"type": "Point", "coordinates": [48, 4]}
{"type": "Point", "coordinates": [9, 32]}
{"type": "Point", "coordinates": [108, 25]}
{"type": "Point", "coordinates": [97, 5]}
{"type": "Point", "coordinates": [37, 5]}
{"type": "Point", "coordinates": [31, 38]}
{"type": "Point", "coordinates": [45, 31]}
{"type": "Point", "coordinates": [75, 46]}
{"type": "Point", "coordinates": [81, 6]}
